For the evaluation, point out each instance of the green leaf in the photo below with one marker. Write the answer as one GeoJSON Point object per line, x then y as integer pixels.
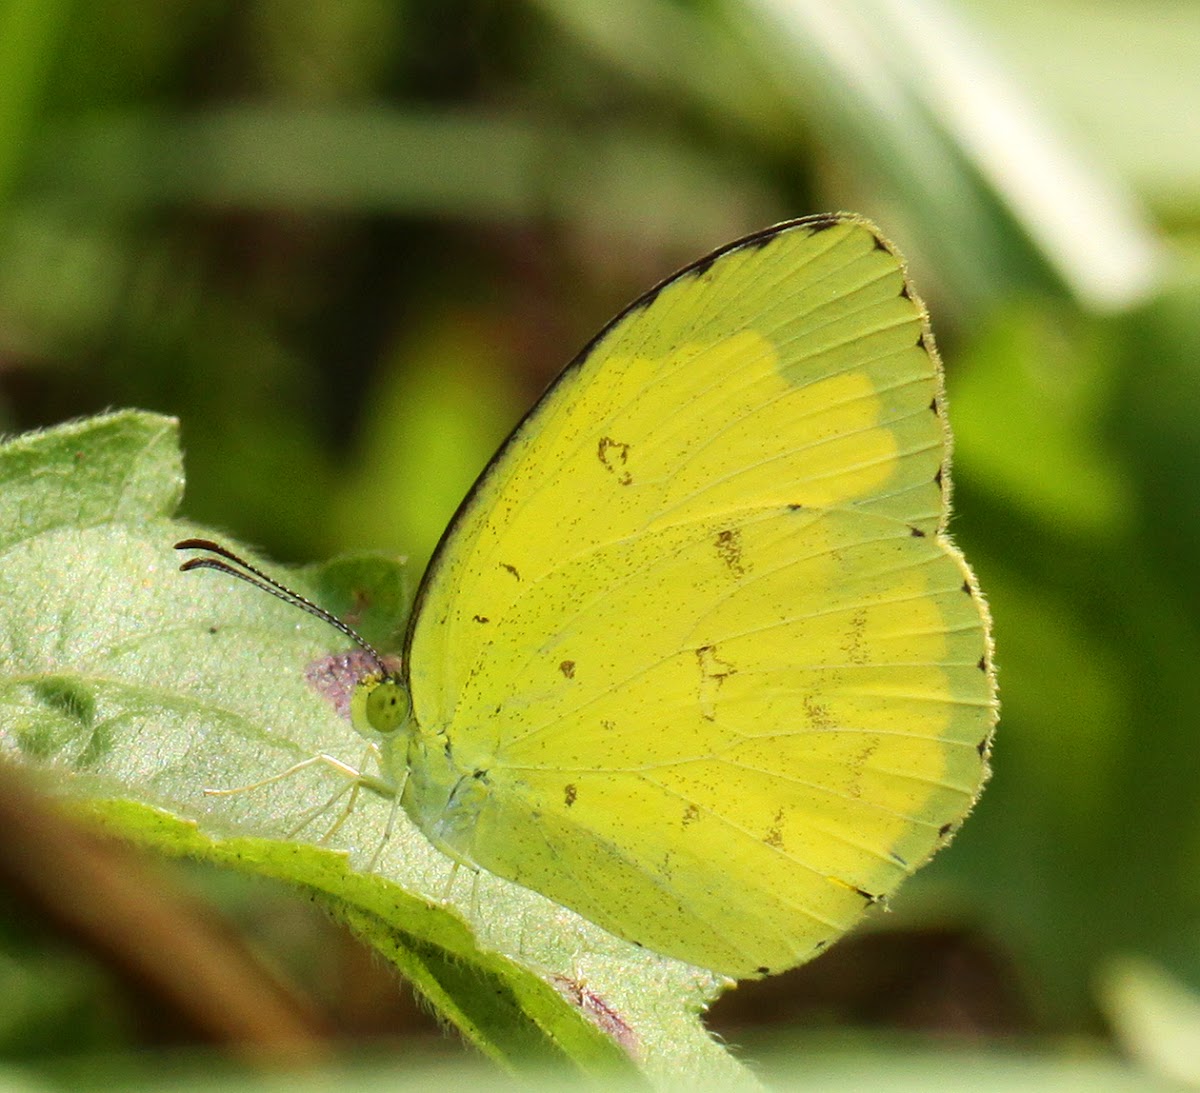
{"type": "Point", "coordinates": [118, 468]}
{"type": "Point", "coordinates": [510, 1015]}
{"type": "Point", "coordinates": [137, 688]}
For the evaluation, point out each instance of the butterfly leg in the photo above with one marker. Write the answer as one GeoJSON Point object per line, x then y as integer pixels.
{"type": "Point", "coordinates": [355, 782]}
{"type": "Point", "coordinates": [312, 814]}
{"type": "Point", "coordinates": [390, 828]}
{"type": "Point", "coordinates": [328, 760]}
{"type": "Point", "coordinates": [475, 891]}
{"type": "Point", "coordinates": [454, 867]}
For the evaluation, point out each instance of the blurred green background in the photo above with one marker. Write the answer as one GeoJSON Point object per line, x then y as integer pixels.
{"type": "Point", "coordinates": [348, 244]}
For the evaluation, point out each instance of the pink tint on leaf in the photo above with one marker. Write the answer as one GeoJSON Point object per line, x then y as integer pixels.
{"type": "Point", "coordinates": [334, 677]}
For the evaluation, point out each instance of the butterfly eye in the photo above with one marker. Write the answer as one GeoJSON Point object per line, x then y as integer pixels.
{"type": "Point", "coordinates": [384, 703]}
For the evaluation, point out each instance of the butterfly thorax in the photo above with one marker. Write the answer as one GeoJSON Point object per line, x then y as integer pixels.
{"type": "Point", "coordinates": [445, 791]}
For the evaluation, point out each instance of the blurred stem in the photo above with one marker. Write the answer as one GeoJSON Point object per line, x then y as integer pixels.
{"type": "Point", "coordinates": [155, 938]}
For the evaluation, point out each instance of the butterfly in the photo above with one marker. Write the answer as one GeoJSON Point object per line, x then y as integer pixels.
{"type": "Point", "coordinates": [695, 657]}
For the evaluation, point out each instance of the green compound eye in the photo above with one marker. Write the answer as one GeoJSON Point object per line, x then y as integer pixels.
{"type": "Point", "coordinates": [379, 704]}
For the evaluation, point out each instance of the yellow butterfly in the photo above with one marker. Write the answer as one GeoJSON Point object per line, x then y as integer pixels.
{"type": "Point", "coordinates": [695, 657]}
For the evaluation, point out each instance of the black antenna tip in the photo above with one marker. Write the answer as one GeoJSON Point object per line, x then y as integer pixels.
{"type": "Point", "coordinates": [226, 561]}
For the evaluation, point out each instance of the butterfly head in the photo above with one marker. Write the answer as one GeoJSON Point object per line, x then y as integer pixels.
{"type": "Point", "coordinates": [380, 705]}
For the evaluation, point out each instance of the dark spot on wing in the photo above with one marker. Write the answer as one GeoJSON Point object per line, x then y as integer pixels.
{"type": "Point", "coordinates": [212, 629]}
{"type": "Point", "coordinates": [729, 549]}
{"type": "Point", "coordinates": [937, 478]}
{"type": "Point", "coordinates": [869, 897]}
{"type": "Point", "coordinates": [905, 294]}
{"type": "Point", "coordinates": [511, 569]}
{"type": "Point", "coordinates": [821, 223]}
{"type": "Point", "coordinates": [881, 245]}
{"type": "Point", "coordinates": [917, 533]}
{"type": "Point", "coordinates": [982, 665]}
{"type": "Point", "coordinates": [966, 587]}
{"type": "Point", "coordinates": [854, 646]}
{"type": "Point", "coordinates": [643, 302]}
{"type": "Point", "coordinates": [817, 713]}
{"type": "Point", "coordinates": [608, 725]}
{"type": "Point", "coordinates": [898, 860]}
{"type": "Point", "coordinates": [481, 618]}
{"type": "Point", "coordinates": [613, 456]}
{"type": "Point", "coordinates": [923, 342]}
{"type": "Point", "coordinates": [774, 835]}
{"type": "Point", "coordinates": [763, 970]}
{"type": "Point", "coordinates": [567, 667]}
{"type": "Point", "coordinates": [690, 815]}
{"type": "Point", "coordinates": [933, 405]}
{"type": "Point", "coordinates": [858, 765]}
{"type": "Point", "coordinates": [982, 746]}
{"type": "Point", "coordinates": [569, 795]}
{"type": "Point", "coordinates": [795, 506]}
{"type": "Point", "coordinates": [713, 672]}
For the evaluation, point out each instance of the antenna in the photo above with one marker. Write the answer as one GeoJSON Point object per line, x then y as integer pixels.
{"type": "Point", "coordinates": [235, 566]}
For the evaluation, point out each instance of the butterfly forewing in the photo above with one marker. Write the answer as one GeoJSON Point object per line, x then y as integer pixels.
{"type": "Point", "coordinates": [696, 636]}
